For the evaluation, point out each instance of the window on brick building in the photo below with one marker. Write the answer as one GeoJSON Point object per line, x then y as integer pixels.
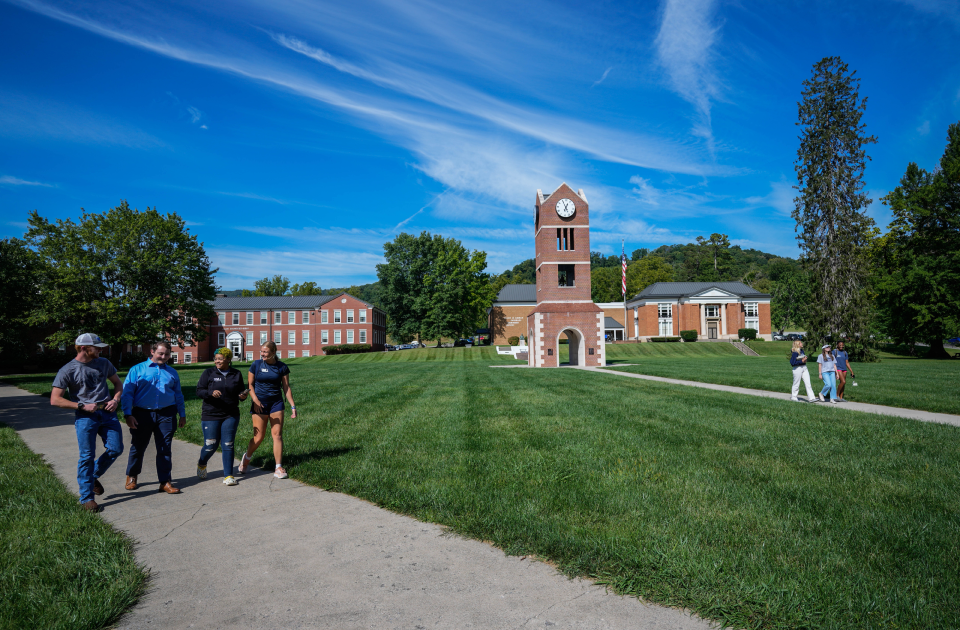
{"type": "Point", "coordinates": [187, 357]}
{"type": "Point", "coordinates": [713, 310]}
{"type": "Point", "coordinates": [752, 315]}
{"type": "Point", "coordinates": [236, 319]}
{"type": "Point", "coordinates": [665, 319]}
{"type": "Point", "coordinates": [291, 354]}
{"type": "Point", "coordinates": [292, 337]}
{"type": "Point", "coordinates": [249, 338]}
{"type": "Point", "coordinates": [566, 276]}
{"type": "Point", "coordinates": [276, 337]}
{"type": "Point", "coordinates": [263, 337]}
{"type": "Point", "coordinates": [323, 337]}
{"type": "Point", "coordinates": [349, 315]}
{"type": "Point", "coordinates": [306, 337]}
{"type": "Point", "coordinates": [363, 336]}
{"type": "Point", "coordinates": [306, 317]}
{"type": "Point", "coordinates": [336, 336]}
{"type": "Point", "coordinates": [565, 239]}
{"type": "Point", "coordinates": [350, 336]}
{"type": "Point", "coordinates": [336, 317]}
{"type": "Point", "coordinates": [276, 317]}
{"type": "Point", "coordinates": [250, 319]}
{"type": "Point", "coordinates": [221, 318]}
{"type": "Point", "coordinates": [363, 315]}
{"type": "Point", "coordinates": [292, 317]}
{"type": "Point", "coordinates": [173, 358]}
{"type": "Point", "coordinates": [249, 356]}
{"type": "Point", "coordinates": [323, 317]}
{"type": "Point", "coordinates": [220, 340]}
{"type": "Point", "coordinates": [305, 353]}
{"type": "Point", "coordinates": [263, 318]}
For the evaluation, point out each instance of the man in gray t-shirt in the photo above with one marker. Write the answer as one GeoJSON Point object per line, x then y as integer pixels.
{"type": "Point", "coordinates": [81, 385]}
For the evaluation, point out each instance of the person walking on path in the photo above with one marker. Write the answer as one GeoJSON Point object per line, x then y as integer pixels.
{"type": "Point", "coordinates": [843, 366]}
{"type": "Point", "coordinates": [827, 366]}
{"type": "Point", "coordinates": [84, 380]}
{"type": "Point", "coordinates": [151, 401]}
{"type": "Point", "coordinates": [268, 379]}
{"type": "Point", "coordinates": [798, 360]}
{"type": "Point", "coordinates": [221, 388]}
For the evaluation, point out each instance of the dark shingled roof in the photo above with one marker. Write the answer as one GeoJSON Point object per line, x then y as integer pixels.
{"type": "Point", "coordinates": [282, 302]}
{"type": "Point", "coordinates": [686, 289]}
{"type": "Point", "coordinates": [517, 293]}
{"type": "Point", "coordinates": [610, 323]}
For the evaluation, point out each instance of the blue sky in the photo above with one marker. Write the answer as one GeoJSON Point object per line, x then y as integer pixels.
{"type": "Point", "coordinates": [297, 137]}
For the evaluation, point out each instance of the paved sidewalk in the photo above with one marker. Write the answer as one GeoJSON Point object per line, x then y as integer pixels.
{"type": "Point", "coordinates": [913, 414]}
{"type": "Point", "coordinates": [279, 554]}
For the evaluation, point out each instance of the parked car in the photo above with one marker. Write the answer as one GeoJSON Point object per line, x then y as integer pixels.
{"type": "Point", "coordinates": [460, 343]}
{"type": "Point", "coordinates": [955, 341]}
{"type": "Point", "coordinates": [408, 346]}
{"type": "Point", "coordinates": [388, 348]}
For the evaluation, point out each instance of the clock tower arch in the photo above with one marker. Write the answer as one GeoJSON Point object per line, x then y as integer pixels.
{"type": "Point", "coordinates": [564, 303]}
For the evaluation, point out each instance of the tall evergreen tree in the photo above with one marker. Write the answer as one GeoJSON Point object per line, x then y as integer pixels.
{"type": "Point", "coordinates": [833, 228]}
{"type": "Point", "coordinates": [919, 279]}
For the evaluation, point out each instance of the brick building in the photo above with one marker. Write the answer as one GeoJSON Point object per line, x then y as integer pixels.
{"type": "Point", "coordinates": [716, 310]}
{"type": "Point", "coordinates": [300, 326]}
{"type": "Point", "coordinates": [564, 306]}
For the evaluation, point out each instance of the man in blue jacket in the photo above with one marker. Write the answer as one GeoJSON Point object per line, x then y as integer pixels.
{"type": "Point", "coordinates": [151, 401]}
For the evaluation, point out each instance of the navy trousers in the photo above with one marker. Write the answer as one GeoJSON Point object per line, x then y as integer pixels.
{"type": "Point", "coordinates": [159, 424]}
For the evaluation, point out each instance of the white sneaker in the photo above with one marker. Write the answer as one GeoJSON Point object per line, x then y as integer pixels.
{"type": "Point", "coordinates": [833, 401]}
{"type": "Point", "coordinates": [812, 399]}
{"type": "Point", "coordinates": [794, 399]}
{"type": "Point", "coordinates": [822, 399]}
{"type": "Point", "coordinates": [244, 465]}
{"type": "Point", "coordinates": [229, 481]}
{"type": "Point", "coordinates": [280, 473]}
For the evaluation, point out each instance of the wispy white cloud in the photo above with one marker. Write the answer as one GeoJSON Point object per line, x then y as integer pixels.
{"type": "Point", "coordinates": [195, 114]}
{"type": "Point", "coordinates": [601, 79]}
{"type": "Point", "coordinates": [329, 268]}
{"type": "Point", "coordinates": [924, 129]}
{"type": "Point", "coordinates": [780, 198]}
{"type": "Point", "coordinates": [685, 47]}
{"type": "Point", "coordinates": [23, 115]}
{"type": "Point", "coordinates": [10, 180]}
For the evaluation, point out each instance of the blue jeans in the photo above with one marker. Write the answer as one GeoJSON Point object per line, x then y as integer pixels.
{"type": "Point", "coordinates": [829, 385]}
{"type": "Point", "coordinates": [159, 424]}
{"type": "Point", "coordinates": [220, 432]}
{"type": "Point", "coordinates": [89, 426]}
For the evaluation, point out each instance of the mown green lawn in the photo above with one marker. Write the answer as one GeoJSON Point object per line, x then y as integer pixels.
{"type": "Point", "coordinates": [897, 381]}
{"type": "Point", "coordinates": [60, 566]}
{"type": "Point", "coordinates": [758, 513]}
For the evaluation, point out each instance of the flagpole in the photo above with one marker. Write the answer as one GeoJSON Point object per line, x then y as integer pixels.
{"type": "Point", "coordinates": [623, 264]}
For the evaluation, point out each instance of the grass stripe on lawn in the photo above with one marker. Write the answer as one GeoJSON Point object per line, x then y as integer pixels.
{"type": "Point", "coordinates": [60, 567]}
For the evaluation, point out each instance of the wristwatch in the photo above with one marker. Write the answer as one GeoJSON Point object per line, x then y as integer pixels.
{"type": "Point", "coordinates": [79, 406]}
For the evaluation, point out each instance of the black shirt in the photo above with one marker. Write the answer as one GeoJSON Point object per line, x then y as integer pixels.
{"type": "Point", "coordinates": [230, 386]}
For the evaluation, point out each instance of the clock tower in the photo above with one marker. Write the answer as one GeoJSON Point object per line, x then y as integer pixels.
{"type": "Point", "coordinates": [564, 305]}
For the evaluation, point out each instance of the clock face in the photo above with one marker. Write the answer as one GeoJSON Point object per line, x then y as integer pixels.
{"type": "Point", "coordinates": [565, 208]}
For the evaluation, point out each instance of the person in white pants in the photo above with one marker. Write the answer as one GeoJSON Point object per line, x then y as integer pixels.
{"type": "Point", "coordinates": [798, 360]}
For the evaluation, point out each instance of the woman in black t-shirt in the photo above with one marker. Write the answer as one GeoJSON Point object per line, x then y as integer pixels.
{"type": "Point", "coordinates": [221, 387]}
{"type": "Point", "coordinates": [268, 380]}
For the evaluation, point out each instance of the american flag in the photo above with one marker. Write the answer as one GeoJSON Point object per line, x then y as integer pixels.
{"type": "Point", "coordinates": [623, 265]}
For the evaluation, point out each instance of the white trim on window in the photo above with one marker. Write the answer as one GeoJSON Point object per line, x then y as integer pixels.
{"type": "Point", "coordinates": [349, 315]}
{"type": "Point", "coordinates": [291, 354]}
{"type": "Point", "coordinates": [291, 317]}
{"type": "Point", "coordinates": [363, 315]}
{"type": "Point", "coordinates": [276, 317]}
{"type": "Point", "coordinates": [336, 336]}
{"type": "Point", "coordinates": [276, 337]}
{"type": "Point", "coordinates": [336, 316]}
{"type": "Point", "coordinates": [263, 337]}
{"type": "Point", "coordinates": [324, 317]}
{"type": "Point", "coordinates": [221, 318]}
{"type": "Point", "coordinates": [236, 319]}
{"type": "Point", "coordinates": [291, 337]}
{"type": "Point", "coordinates": [305, 353]}
{"type": "Point", "coordinates": [350, 336]}
{"type": "Point", "coordinates": [220, 339]}
{"type": "Point", "coordinates": [249, 318]}
{"type": "Point", "coordinates": [363, 336]}
{"type": "Point", "coordinates": [249, 356]}
{"type": "Point", "coordinates": [305, 318]}
{"type": "Point", "coordinates": [324, 337]}
{"type": "Point", "coordinates": [305, 337]}
{"type": "Point", "coordinates": [187, 357]}
{"type": "Point", "coordinates": [250, 338]}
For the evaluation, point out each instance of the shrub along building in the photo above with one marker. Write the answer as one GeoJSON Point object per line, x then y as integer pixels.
{"type": "Point", "coordinates": [300, 326]}
{"type": "Point", "coordinates": [715, 310]}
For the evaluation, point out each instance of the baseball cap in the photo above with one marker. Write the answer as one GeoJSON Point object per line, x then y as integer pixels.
{"type": "Point", "coordinates": [89, 339]}
{"type": "Point", "coordinates": [825, 346]}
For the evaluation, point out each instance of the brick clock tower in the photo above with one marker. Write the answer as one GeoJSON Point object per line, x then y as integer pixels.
{"type": "Point", "coordinates": [564, 305]}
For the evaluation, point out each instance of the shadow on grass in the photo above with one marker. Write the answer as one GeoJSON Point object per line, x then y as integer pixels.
{"type": "Point", "coordinates": [300, 458]}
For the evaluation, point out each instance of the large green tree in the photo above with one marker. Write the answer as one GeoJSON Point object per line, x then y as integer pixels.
{"type": "Point", "coordinates": [127, 275]}
{"type": "Point", "coordinates": [277, 285]}
{"type": "Point", "coordinates": [646, 271]}
{"type": "Point", "coordinates": [605, 284]}
{"type": "Point", "coordinates": [919, 284]}
{"type": "Point", "coordinates": [19, 286]}
{"type": "Point", "coordinates": [306, 288]}
{"type": "Point", "coordinates": [833, 228]}
{"type": "Point", "coordinates": [431, 287]}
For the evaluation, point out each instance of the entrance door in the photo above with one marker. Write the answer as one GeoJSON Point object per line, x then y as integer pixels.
{"type": "Point", "coordinates": [235, 349]}
{"type": "Point", "coordinates": [712, 330]}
